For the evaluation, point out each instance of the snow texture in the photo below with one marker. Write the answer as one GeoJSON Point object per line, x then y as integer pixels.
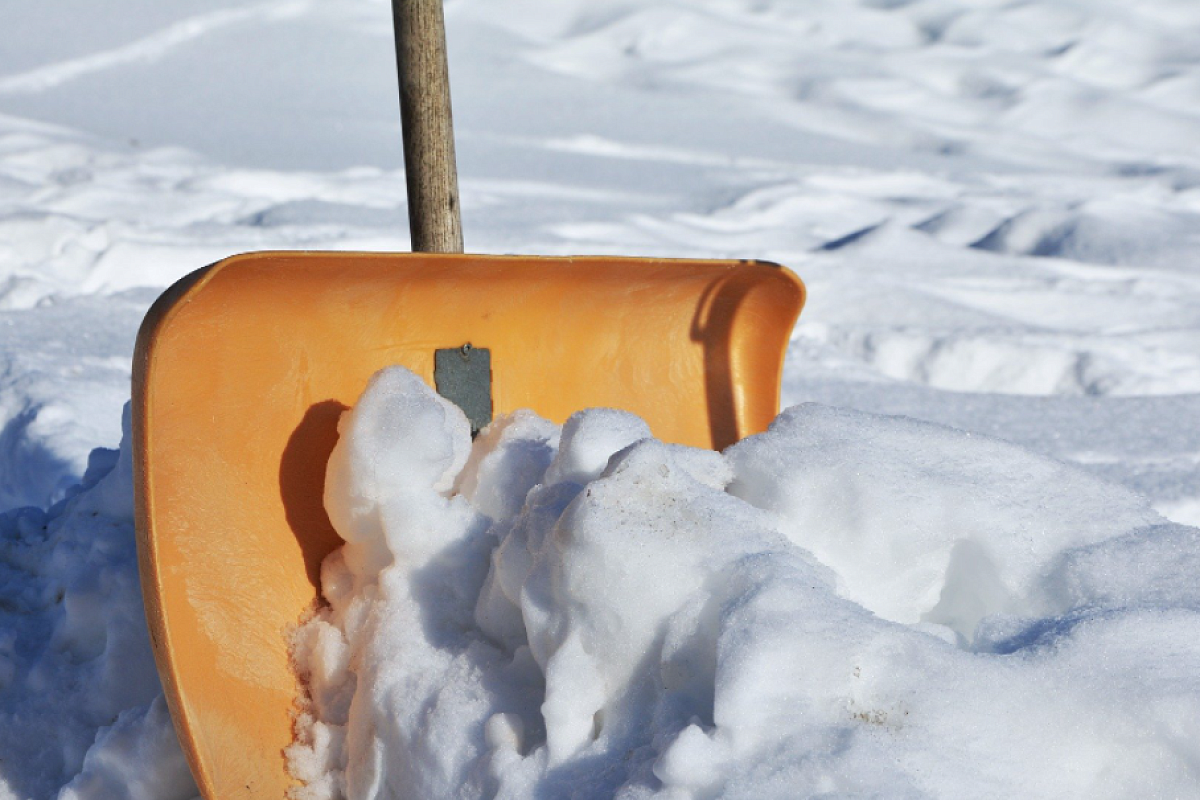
{"type": "Point", "coordinates": [80, 703]}
{"type": "Point", "coordinates": [847, 604]}
{"type": "Point", "coordinates": [995, 206]}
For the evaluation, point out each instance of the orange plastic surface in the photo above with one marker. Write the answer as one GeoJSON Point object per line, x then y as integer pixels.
{"type": "Point", "coordinates": [243, 368]}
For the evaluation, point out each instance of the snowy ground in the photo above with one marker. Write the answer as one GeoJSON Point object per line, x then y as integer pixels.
{"type": "Point", "coordinates": [995, 205]}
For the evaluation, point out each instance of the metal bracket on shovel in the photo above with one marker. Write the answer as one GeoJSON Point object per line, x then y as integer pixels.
{"type": "Point", "coordinates": [463, 375]}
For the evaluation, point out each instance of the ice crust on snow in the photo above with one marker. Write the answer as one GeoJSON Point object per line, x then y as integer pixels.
{"type": "Point", "coordinates": [848, 604]}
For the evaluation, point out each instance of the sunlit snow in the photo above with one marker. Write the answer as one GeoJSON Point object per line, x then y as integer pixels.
{"type": "Point", "coordinates": [975, 575]}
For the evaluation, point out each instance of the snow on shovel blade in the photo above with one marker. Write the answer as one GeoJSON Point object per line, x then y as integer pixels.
{"type": "Point", "coordinates": [243, 368]}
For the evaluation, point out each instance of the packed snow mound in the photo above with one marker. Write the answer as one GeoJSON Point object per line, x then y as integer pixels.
{"type": "Point", "coordinates": [847, 604]}
{"type": "Point", "coordinates": [922, 522]}
{"type": "Point", "coordinates": [81, 708]}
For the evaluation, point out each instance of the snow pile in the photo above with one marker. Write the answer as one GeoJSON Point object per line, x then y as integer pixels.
{"type": "Point", "coordinates": [846, 604]}
{"type": "Point", "coordinates": [81, 708]}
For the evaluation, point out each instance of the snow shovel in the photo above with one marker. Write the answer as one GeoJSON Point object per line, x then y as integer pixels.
{"type": "Point", "coordinates": [242, 369]}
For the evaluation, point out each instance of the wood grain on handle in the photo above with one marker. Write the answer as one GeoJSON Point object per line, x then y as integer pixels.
{"type": "Point", "coordinates": [433, 213]}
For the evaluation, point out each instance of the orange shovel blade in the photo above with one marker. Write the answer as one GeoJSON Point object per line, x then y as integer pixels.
{"type": "Point", "coordinates": [243, 368]}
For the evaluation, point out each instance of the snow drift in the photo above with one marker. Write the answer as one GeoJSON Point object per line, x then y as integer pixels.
{"type": "Point", "coordinates": [847, 604]}
{"type": "Point", "coordinates": [82, 715]}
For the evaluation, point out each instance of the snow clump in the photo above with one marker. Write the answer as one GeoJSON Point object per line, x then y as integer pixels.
{"type": "Point", "coordinates": [82, 715]}
{"type": "Point", "coordinates": [847, 604]}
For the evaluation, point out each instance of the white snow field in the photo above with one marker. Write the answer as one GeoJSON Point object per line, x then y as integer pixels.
{"type": "Point", "coordinates": [996, 207]}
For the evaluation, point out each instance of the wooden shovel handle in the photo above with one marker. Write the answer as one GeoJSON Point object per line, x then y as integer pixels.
{"type": "Point", "coordinates": [433, 213]}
